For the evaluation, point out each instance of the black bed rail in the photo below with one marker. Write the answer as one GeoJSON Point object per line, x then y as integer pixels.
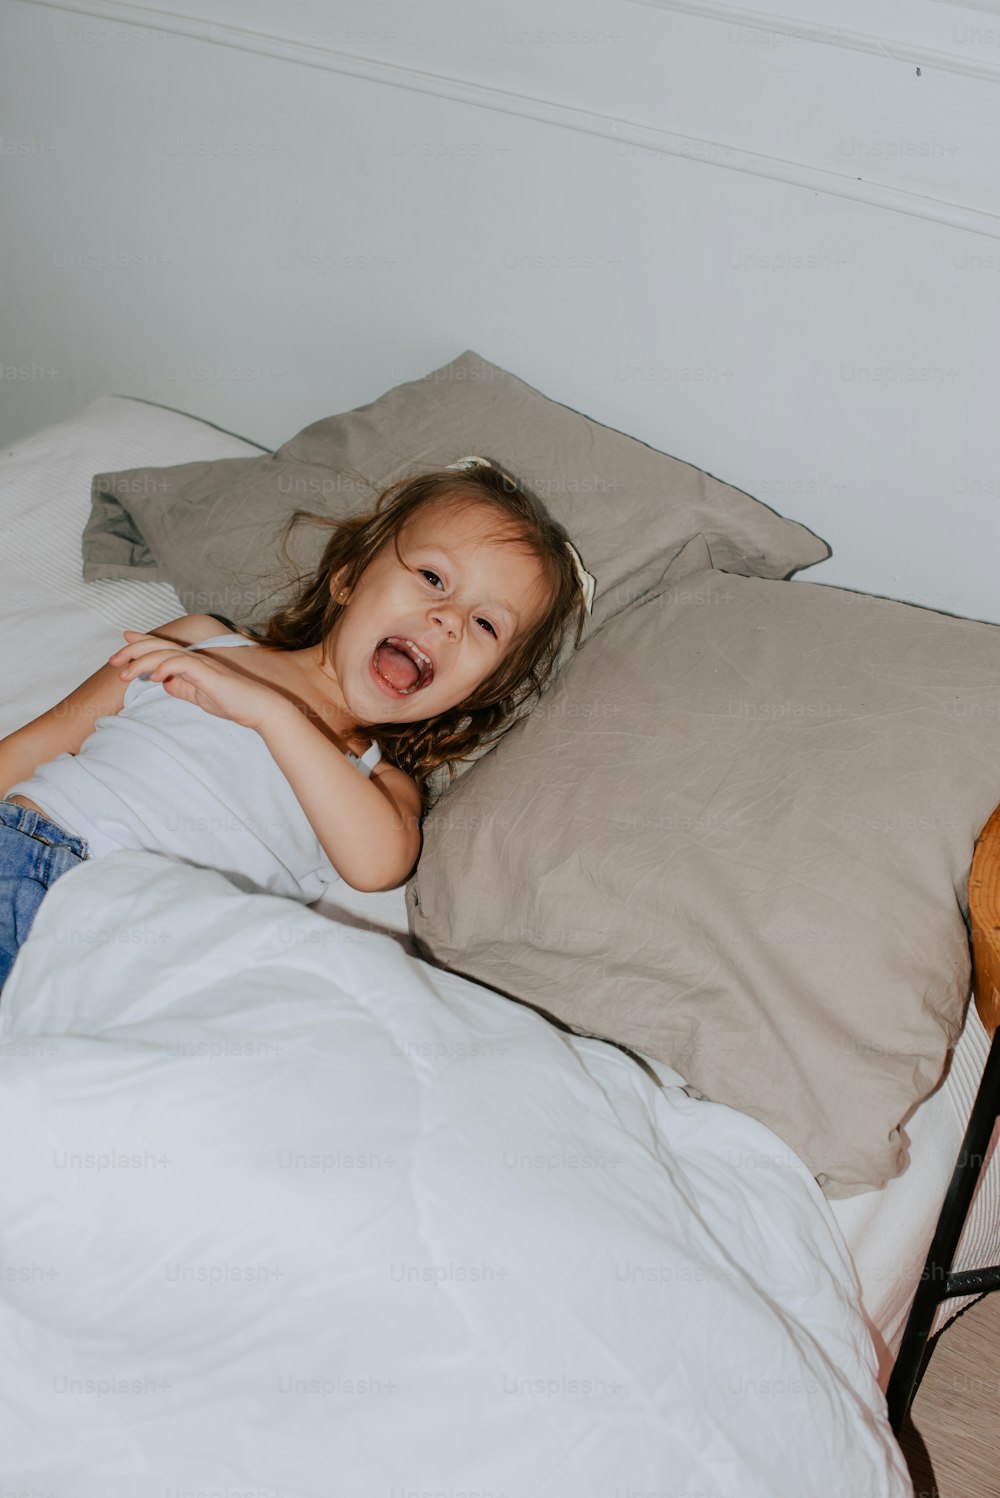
{"type": "Point", "coordinates": [939, 1282]}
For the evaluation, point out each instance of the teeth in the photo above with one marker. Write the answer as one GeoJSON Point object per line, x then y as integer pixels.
{"type": "Point", "coordinates": [419, 653]}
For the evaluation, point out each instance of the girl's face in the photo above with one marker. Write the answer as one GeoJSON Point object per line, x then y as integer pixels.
{"type": "Point", "coordinates": [418, 636]}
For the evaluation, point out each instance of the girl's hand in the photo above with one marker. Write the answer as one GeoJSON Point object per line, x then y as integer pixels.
{"type": "Point", "coordinates": [193, 677]}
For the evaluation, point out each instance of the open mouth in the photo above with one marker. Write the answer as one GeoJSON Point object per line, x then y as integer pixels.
{"type": "Point", "coordinates": [401, 665]}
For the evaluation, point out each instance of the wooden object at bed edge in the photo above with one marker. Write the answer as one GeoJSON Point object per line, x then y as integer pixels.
{"type": "Point", "coordinates": [984, 918]}
{"type": "Point", "coordinates": [938, 1281]}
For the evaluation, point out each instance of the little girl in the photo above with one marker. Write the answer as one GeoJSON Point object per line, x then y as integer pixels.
{"type": "Point", "coordinates": [428, 623]}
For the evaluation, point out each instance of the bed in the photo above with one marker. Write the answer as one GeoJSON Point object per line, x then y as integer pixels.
{"type": "Point", "coordinates": [284, 1199]}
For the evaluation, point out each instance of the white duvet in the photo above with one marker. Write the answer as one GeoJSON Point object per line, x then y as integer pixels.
{"type": "Point", "coordinates": [289, 1213]}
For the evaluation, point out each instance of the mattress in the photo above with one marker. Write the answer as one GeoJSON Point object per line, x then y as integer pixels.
{"type": "Point", "coordinates": [57, 630]}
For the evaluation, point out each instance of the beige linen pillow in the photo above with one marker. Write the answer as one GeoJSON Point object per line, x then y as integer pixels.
{"type": "Point", "coordinates": [736, 835]}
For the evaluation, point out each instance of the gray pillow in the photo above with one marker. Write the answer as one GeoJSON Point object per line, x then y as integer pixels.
{"type": "Point", "coordinates": [211, 529]}
{"type": "Point", "coordinates": [736, 835]}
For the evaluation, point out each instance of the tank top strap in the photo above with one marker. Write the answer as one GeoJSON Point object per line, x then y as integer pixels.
{"type": "Point", "coordinates": [218, 640]}
{"type": "Point", "coordinates": [367, 761]}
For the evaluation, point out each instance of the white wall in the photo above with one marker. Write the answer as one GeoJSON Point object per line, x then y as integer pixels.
{"type": "Point", "coordinates": [763, 244]}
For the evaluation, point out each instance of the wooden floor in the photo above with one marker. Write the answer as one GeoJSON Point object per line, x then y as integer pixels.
{"type": "Point", "coordinates": [952, 1440]}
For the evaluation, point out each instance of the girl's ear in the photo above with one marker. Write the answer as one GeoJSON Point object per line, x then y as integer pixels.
{"type": "Point", "coordinates": [337, 590]}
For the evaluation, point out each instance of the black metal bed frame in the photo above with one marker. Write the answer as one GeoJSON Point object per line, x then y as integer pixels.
{"type": "Point", "coordinates": [939, 1281]}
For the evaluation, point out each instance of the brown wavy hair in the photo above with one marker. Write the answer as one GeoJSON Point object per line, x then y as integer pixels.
{"type": "Point", "coordinates": [421, 747]}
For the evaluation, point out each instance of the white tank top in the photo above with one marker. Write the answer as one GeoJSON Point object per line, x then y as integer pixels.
{"type": "Point", "coordinates": [163, 774]}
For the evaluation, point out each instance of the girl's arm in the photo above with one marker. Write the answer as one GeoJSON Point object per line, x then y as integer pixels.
{"type": "Point", "coordinates": [64, 727]}
{"type": "Point", "coordinates": [369, 828]}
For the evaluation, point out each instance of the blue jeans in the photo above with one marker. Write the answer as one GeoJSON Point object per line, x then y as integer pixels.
{"type": "Point", "coordinates": [34, 852]}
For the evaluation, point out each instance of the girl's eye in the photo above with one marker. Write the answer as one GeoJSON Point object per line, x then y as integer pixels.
{"type": "Point", "coordinates": [426, 572]}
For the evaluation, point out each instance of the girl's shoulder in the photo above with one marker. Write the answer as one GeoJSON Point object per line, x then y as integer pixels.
{"type": "Point", "coordinates": [191, 629]}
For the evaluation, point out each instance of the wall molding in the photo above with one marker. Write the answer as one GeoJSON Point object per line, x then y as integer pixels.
{"type": "Point", "coordinates": [710, 154]}
{"type": "Point", "coordinates": [891, 50]}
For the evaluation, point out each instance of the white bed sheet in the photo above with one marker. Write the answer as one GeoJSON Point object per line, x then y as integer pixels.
{"type": "Point", "coordinates": [57, 629]}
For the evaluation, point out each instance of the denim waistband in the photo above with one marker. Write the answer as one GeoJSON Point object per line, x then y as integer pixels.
{"type": "Point", "coordinates": [25, 819]}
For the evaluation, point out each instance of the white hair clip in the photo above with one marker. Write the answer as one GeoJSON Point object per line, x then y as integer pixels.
{"type": "Point", "coordinates": [588, 582]}
{"type": "Point", "coordinates": [470, 463]}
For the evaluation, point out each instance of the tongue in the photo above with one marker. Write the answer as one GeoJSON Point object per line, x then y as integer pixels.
{"type": "Point", "coordinates": [396, 667]}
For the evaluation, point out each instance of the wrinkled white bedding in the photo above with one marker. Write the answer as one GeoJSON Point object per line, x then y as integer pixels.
{"type": "Point", "coordinates": [288, 1211]}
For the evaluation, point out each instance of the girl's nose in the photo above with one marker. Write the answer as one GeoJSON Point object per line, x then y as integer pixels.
{"type": "Point", "coordinates": [449, 616]}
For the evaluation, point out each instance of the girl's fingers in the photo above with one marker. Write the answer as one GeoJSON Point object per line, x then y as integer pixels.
{"type": "Point", "coordinates": [136, 640]}
{"type": "Point", "coordinates": [149, 662]}
{"type": "Point", "coordinates": [141, 647]}
{"type": "Point", "coordinates": [138, 645]}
